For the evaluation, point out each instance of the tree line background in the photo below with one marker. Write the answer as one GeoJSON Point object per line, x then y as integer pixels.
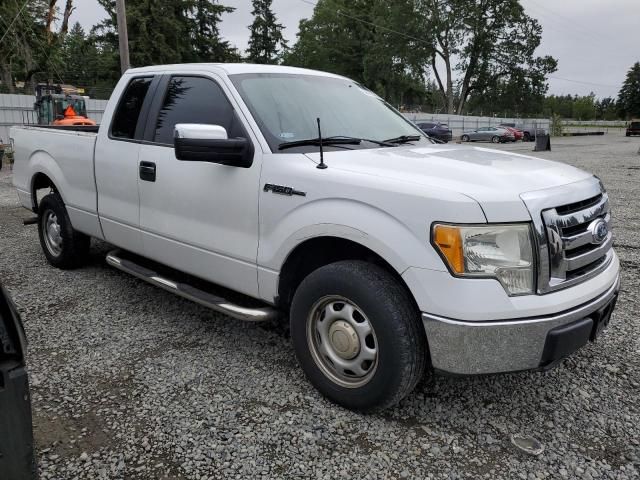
{"type": "Point", "coordinates": [448, 56]}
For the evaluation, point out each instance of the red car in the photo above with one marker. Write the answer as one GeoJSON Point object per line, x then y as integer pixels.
{"type": "Point", "coordinates": [517, 134]}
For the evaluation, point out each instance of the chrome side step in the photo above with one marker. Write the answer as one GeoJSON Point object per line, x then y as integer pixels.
{"type": "Point", "coordinates": [189, 292]}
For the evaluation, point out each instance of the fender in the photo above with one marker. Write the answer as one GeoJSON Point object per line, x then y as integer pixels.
{"type": "Point", "coordinates": [395, 242]}
{"type": "Point", "coordinates": [76, 187]}
{"type": "Point", "coordinates": [40, 162]}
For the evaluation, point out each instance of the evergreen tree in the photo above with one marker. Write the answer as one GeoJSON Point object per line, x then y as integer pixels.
{"type": "Point", "coordinates": [629, 96]}
{"type": "Point", "coordinates": [168, 31]}
{"type": "Point", "coordinates": [206, 43]}
{"type": "Point", "coordinates": [266, 43]}
{"type": "Point", "coordinates": [357, 39]}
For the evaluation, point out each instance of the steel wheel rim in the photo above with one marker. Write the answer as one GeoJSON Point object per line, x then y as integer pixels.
{"type": "Point", "coordinates": [52, 233]}
{"type": "Point", "coordinates": [347, 360]}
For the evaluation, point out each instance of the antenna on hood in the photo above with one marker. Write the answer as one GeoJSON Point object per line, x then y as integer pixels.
{"type": "Point", "coordinates": [321, 165]}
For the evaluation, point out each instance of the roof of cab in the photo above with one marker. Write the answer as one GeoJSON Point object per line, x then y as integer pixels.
{"type": "Point", "coordinates": [229, 69]}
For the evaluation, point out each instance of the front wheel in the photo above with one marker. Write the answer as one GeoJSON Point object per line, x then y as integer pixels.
{"type": "Point", "coordinates": [63, 246]}
{"type": "Point", "coordinates": [465, 138]}
{"type": "Point", "coordinates": [526, 137]}
{"type": "Point", "coordinates": [357, 335]}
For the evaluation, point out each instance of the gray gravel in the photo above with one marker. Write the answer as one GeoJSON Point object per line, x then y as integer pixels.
{"type": "Point", "coordinates": [131, 382]}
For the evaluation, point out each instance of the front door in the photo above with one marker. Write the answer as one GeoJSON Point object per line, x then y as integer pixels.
{"type": "Point", "coordinates": [198, 217]}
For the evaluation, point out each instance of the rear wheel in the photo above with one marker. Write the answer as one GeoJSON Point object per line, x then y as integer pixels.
{"type": "Point", "coordinates": [465, 138]}
{"type": "Point", "coordinates": [526, 137]}
{"type": "Point", "coordinates": [495, 139]}
{"type": "Point", "coordinates": [63, 246]}
{"type": "Point", "coordinates": [357, 335]}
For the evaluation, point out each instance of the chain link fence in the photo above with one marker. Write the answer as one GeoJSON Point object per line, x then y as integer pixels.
{"type": "Point", "coordinates": [458, 124]}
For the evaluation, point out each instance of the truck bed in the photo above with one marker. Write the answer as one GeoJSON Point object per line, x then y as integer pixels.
{"type": "Point", "coordinates": [65, 154]}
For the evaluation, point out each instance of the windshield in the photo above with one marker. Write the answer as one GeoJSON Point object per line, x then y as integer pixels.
{"type": "Point", "coordinates": [635, 125]}
{"type": "Point", "coordinates": [77, 104]}
{"type": "Point", "coordinates": [286, 107]}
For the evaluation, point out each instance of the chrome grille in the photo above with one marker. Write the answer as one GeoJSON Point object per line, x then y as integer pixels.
{"type": "Point", "coordinates": [573, 243]}
{"type": "Point", "coordinates": [573, 248]}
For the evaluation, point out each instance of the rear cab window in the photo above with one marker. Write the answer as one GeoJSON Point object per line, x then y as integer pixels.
{"type": "Point", "coordinates": [127, 115]}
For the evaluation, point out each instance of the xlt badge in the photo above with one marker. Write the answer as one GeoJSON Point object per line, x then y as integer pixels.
{"type": "Point", "coordinates": [283, 190]}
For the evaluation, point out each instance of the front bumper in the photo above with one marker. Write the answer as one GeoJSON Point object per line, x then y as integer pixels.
{"type": "Point", "coordinates": [481, 347]}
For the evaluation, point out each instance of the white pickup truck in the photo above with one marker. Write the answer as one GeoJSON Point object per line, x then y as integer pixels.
{"type": "Point", "coordinates": [267, 191]}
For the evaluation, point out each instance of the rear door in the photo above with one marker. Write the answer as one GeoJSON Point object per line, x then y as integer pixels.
{"type": "Point", "coordinates": [116, 164]}
{"type": "Point", "coordinates": [199, 217]}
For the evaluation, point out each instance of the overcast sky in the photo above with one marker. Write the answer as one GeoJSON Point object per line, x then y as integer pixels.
{"type": "Point", "coordinates": [595, 41]}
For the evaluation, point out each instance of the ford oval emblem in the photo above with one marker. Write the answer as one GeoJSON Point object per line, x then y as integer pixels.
{"type": "Point", "coordinates": [599, 231]}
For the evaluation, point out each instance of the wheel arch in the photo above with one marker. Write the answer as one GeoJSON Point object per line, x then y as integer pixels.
{"type": "Point", "coordinates": [39, 181]}
{"type": "Point", "coordinates": [319, 251]}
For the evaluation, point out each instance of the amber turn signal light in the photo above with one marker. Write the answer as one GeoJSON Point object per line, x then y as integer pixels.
{"type": "Point", "coordinates": [449, 241]}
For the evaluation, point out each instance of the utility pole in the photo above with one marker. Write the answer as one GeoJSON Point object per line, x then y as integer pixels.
{"type": "Point", "coordinates": [123, 38]}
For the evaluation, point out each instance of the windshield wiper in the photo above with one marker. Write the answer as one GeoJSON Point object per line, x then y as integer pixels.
{"type": "Point", "coordinates": [334, 140]}
{"type": "Point", "coordinates": [316, 141]}
{"type": "Point", "coordinates": [404, 139]}
{"type": "Point", "coordinates": [382, 143]}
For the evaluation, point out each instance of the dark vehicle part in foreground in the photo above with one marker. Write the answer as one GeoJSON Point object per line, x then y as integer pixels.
{"type": "Point", "coordinates": [16, 434]}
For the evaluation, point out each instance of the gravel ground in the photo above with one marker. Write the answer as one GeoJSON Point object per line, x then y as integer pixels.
{"type": "Point", "coordinates": [131, 382]}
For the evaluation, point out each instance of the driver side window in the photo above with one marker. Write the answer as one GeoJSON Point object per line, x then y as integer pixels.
{"type": "Point", "coordinates": [194, 100]}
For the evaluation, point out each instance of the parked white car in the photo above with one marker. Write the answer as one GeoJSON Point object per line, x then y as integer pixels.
{"type": "Point", "coordinates": [388, 253]}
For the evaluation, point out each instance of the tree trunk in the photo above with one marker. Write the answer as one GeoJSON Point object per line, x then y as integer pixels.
{"type": "Point", "coordinates": [68, 10]}
{"type": "Point", "coordinates": [447, 62]}
{"type": "Point", "coordinates": [51, 13]}
{"type": "Point", "coordinates": [6, 76]}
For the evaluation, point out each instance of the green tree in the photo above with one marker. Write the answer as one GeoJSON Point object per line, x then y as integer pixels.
{"type": "Point", "coordinates": [168, 31]}
{"type": "Point", "coordinates": [484, 43]}
{"type": "Point", "coordinates": [629, 96]}
{"type": "Point", "coordinates": [358, 39]}
{"type": "Point", "coordinates": [207, 45]}
{"type": "Point", "coordinates": [606, 109]}
{"type": "Point", "coordinates": [266, 43]}
{"type": "Point", "coordinates": [25, 54]}
{"type": "Point", "coordinates": [584, 107]}
{"type": "Point", "coordinates": [77, 57]}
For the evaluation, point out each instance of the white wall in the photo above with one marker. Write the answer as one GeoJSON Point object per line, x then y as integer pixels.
{"type": "Point", "coordinates": [18, 110]}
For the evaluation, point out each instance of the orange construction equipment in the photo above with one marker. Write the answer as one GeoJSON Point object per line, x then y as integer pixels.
{"type": "Point", "coordinates": [54, 106]}
{"type": "Point", "coordinates": [72, 118]}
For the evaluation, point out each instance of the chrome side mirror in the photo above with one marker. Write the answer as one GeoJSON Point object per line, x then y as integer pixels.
{"type": "Point", "coordinates": [199, 131]}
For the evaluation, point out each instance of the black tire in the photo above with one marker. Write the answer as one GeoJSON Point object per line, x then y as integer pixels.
{"type": "Point", "coordinates": [74, 246]}
{"type": "Point", "coordinates": [465, 138]}
{"type": "Point", "coordinates": [526, 137]}
{"type": "Point", "coordinates": [400, 341]}
{"type": "Point", "coordinates": [495, 139]}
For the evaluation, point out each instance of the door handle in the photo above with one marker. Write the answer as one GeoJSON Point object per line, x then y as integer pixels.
{"type": "Point", "coordinates": [148, 171]}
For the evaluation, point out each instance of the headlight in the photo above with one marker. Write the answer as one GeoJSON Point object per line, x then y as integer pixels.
{"type": "Point", "coordinates": [504, 252]}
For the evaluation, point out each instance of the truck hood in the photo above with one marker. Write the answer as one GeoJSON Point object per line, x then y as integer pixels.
{"type": "Point", "coordinates": [494, 178]}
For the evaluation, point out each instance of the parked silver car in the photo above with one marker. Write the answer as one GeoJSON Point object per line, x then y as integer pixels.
{"type": "Point", "coordinates": [488, 134]}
